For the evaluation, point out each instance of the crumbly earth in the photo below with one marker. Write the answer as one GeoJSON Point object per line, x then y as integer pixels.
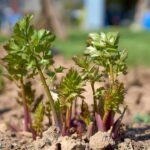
{"type": "Point", "coordinates": [135, 138]}
{"type": "Point", "coordinates": [137, 98]}
{"type": "Point", "coordinates": [15, 141]}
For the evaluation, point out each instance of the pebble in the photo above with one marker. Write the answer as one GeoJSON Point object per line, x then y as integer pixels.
{"type": "Point", "coordinates": [1, 145]}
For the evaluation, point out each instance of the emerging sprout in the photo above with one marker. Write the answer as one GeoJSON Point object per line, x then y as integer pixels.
{"type": "Point", "coordinates": [28, 55]}
{"type": "Point", "coordinates": [102, 52]}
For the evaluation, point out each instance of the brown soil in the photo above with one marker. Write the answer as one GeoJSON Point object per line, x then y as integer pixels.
{"type": "Point", "coordinates": [137, 98]}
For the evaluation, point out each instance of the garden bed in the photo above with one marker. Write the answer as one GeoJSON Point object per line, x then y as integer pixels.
{"type": "Point", "coordinates": [76, 106]}
{"type": "Point", "coordinates": [137, 136]}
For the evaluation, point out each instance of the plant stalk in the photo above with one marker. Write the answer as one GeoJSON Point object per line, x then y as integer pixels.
{"type": "Point", "coordinates": [116, 126]}
{"type": "Point", "coordinates": [27, 120]}
{"type": "Point", "coordinates": [68, 116]}
{"type": "Point", "coordinates": [108, 120]}
{"type": "Point", "coordinates": [111, 76]}
{"type": "Point", "coordinates": [108, 115]}
{"type": "Point", "coordinates": [49, 96]}
{"type": "Point", "coordinates": [94, 98]}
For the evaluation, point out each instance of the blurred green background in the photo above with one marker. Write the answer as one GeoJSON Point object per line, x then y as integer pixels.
{"type": "Point", "coordinates": [136, 42]}
{"type": "Point", "coordinates": [76, 19]}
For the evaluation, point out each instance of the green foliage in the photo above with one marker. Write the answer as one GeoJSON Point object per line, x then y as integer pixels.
{"type": "Point", "coordinates": [38, 118]}
{"type": "Point", "coordinates": [103, 50]}
{"type": "Point", "coordinates": [85, 113]}
{"type": "Point", "coordinates": [52, 74]}
{"type": "Point", "coordinates": [28, 54]}
{"type": "Point", "coordinates": [31, 99]}
{"type": "Point", "coordinates": [89, 72]}
{"type": "Point", "coordinates": [30, 93]}
{"type": "Point", "coordinates": [70, 87]}
{"type": "Point", "coordinates": [31, 48]}
{"type": "Point", "coordinates": [113, 97]}
{"type": "Point", "coordinates": [102, 63]}
{"type": "Point", "coordinates": [142, 118]}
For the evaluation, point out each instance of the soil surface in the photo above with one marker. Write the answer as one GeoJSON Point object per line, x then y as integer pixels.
{"type": "Point", "coordinates": [136, 137]}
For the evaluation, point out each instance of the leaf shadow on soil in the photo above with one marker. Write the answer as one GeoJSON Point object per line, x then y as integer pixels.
{"type": "Point", "coordinates": [139, 134]}
{"type": "Point", "coordinates": [2, 111]}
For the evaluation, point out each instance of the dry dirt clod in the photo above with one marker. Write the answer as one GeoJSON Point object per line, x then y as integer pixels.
{"type": "Point", "coordinates": [3, 127]}
{"type": "Point", "coordinates": [100, 141]}
{"type": "Point", "coordinates": [25, 134]}
{"type": "Point", "coordinates": [125, 145]}
{"type": "Point", "coordinates": [49, 136]}
{"type": "Point", "coordinates": [129, 144]}
{"type": "Point", "coordinates": [69, 143]}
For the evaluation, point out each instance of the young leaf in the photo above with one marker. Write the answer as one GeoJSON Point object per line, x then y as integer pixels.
{"type": "Point", "coordinates": [38, 118]}
{"type": "Point", "coordinates": [70, 87]}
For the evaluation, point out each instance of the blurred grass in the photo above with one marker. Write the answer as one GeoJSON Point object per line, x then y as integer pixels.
{"type": "Point", "coordinates": [136, 42]}
{"type": "Point", "coordinates": [2, 39]}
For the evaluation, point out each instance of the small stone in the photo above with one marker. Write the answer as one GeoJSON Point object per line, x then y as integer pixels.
{"type": "Point", "coordinates": [74, 136]}
{"type": "Point", "coordinates": [85, 138]}
{"type": "Point", "coordinates": [127, 140]}
{"type": "Point", "coordinates": [13, 145]}
{"type": "Point", "coordinates": [23, 141]}
{"type": "Point", "coordinates": [1, 145]}
{"type": "Point", "coordinates": [13, 134]}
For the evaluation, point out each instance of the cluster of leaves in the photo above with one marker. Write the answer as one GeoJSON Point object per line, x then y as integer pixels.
{"type": "Point", "coordinates": [29, 47]}
{"type": "Point", "coordinates": [102, 63]}
{"type": "Point", "coordinates": [35, 108]}
{"type": "Point", "coordinates": [28, 55]}
{"type": "Point", "coordinates": [103, 50]}
{"type": "Point", "coordinates": [70, 87]}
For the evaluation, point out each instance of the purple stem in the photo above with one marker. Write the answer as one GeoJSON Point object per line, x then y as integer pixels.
{"type": "Point", "coordinates": [99, 122]}
{"type": "Point", "coordinates": [68, 119]}
{"type": "Point", "coordinates": [117, 124]}
{"type": "Point", "coordinates": [27, 120]}
{"type": "Point", "coordinates": [34, 134]}
{"type": "Point", "coordinates": [108, 120]}
{"type": "Point", "coordinates": [90, 130]}
{"type": "Point", "coordinates": [63, 131]}
{"type": "Point", "coordinates": [80, 130]}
